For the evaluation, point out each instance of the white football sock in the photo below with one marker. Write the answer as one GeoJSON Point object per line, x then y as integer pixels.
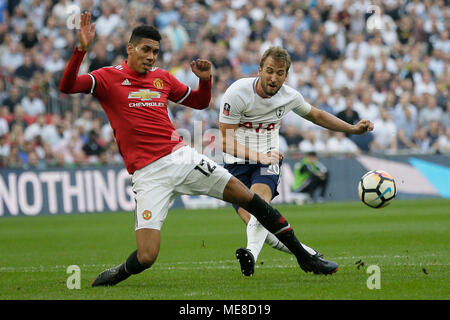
{"type": "Point", "coordinates": [273, 241]}
{"type": "Point", "coordinates": [256, 234]}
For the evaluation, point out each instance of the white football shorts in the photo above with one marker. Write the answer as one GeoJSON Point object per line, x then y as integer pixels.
{"type": "Point", "coordinates": [183, 172]}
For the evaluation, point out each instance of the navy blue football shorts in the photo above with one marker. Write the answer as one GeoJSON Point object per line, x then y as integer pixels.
{"type": "Point", "coordinates": [249, 174]}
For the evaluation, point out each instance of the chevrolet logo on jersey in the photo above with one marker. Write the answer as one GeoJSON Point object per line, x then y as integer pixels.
{"type": "Point", "coordinates": [144, 95]}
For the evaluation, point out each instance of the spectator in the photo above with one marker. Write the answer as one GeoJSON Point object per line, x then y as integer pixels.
{"type": "Point", "coordinates": [340, 144]}
{"type": "Point", "coordinates": [28, 68]}
{"type": "Point", "coordinates": [14, 161]}
{"type": "Point", "coordinates": [349, 115]}
{"type": "Point", "coordinates": [12, 57]}
{"type": "Point", "coordinates": [443, 42]}
{"type": "Point", "coordinates": [367, 108]}
{"type": "Point", "coordinates": [444, 142]}
{"type": "Point", "coordinates": [385, 133]}
{"type": "Point", "coordinates": [169, 12]}
{"type": "Point", "coordinates": [433, 135]}
{"type": "Point", "coordinates": [292, 137]}
{"type": "Point", "coordinates": [109, 21]}
{"type": "Point", "coordinates": [92, 148]}
{"type": "Point", "coordinates": [55, 63]}
{"type": "Point", "coordinates": [34, 162]}
{"type": "Point", "coordinates": [446, 116]}
{"type": "Point", "coordinates": [55, 131]}
{"type": "Point", "coordinates": [4, 148]}
{"type": "Point", "coordinates": [29, 38]}
{"type": "Point", "coordinates": [99, 59]}
{"type": "Point", "coordinates": [61, 11]}
{"type": "Point", "coordinates": [13, 98]}
{"type": "Point", "coordinates": [4, 127]}
{"type": "Point", "coordinates": [331, 50]}
{"type": "Point", "coordinates": [18, 118]}
{"type": "Point", "coordinates": [32, 104]}
{"type": "Point", "coordinates": [35, 129]}
{"type": "Point", "coordinates": [85, 121]}
{"type": "Point", "coordinates": [311, 143]}
{"type": "Point", "coordinates": [406, 123]}
{"type": "Point", "coordinates": [356, 64]}
{"type": "Point", "coordinates": [3, 93]}
{"type": "Point", "coordinates": [176, 34]}
{"type": "Point", "coordinates": [431, 112]}
{"type": "Point", "coordinates": [422, 140]}
{"type": "Point", "coordinates": [425, 85]}
{"type": "Point", "coordinates": [191, 24]}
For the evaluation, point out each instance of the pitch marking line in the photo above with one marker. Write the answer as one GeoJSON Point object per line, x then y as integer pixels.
{"type": "Point", "coordinates": [214, 264]}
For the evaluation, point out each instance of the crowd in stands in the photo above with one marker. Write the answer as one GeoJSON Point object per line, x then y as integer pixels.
{"type": "Point", "coordinates": [386, 61]}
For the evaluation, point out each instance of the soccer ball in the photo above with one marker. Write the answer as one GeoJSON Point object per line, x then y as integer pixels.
{"type": "Point", "coordinates": [377, 189]}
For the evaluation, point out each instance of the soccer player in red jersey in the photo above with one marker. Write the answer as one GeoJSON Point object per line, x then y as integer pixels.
{"type": "Point", "coordinates": [134, 96]}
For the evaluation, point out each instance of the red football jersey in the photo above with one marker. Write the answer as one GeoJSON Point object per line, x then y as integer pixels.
{"type": "Point", "coordinates": [136, 106]}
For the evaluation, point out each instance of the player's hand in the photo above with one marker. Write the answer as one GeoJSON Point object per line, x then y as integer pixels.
{"type": "Point", "coordinates": [271, 157]}
{"type": "Point", "coordinates": [201, 68]}
{"type": "Point", "coordinates": [86, 33]}
{"type": "Point", "coordinates": [362, 126]}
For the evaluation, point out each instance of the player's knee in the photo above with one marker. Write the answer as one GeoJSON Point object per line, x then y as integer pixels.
{"type": "Point", "coordinates": [237, 193]}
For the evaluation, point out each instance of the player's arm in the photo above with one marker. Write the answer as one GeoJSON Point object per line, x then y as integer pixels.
{"type": "Point", "coordinates": [196, 99]}
{"type": "Point", "coordinates": [331, 122]}
{"type": "Point", "coordinates": [231, 146]}
{"type": "Point", "coordinates": [200, 98]}
{"type": "Point", "coordinates": [71, 82]}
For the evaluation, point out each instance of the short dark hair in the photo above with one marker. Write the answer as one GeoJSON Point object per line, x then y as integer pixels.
{"type": "Point", "coordinates": [144, 31]}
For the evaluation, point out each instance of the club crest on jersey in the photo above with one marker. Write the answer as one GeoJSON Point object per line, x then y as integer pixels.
{"type": "Point", "coordinates": [280, 111]}
{"type": "Point", "coordinates": [158, 83]}
{"type": "Point", "coordinates": [146, 214]}
{"type": "Point", "coordinates": [144, 95]}
{"type": "Point", "coordinates": [226, 109]}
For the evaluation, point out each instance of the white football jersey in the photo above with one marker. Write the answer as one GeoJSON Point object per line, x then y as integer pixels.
{"type": "Point", "coordinates": [258, 118]}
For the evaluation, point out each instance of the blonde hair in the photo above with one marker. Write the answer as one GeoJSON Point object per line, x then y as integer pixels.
{"type": "Point", "coordinates": [279, 54]}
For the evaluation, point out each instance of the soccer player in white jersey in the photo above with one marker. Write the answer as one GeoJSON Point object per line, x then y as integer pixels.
{"type": "Point", "coordinates": [250, 116]}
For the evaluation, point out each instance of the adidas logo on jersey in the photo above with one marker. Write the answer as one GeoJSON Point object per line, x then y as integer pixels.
{"type": "Point", "coordinates": [126, 82]}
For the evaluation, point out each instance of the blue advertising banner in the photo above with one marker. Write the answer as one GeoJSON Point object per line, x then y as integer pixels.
{"type": "Point", "coordinates": [108, 189]}
{"type": "Point", "coordinates": [33, 192]}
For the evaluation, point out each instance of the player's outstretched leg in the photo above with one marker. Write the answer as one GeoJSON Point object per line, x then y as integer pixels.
{"type": "Point", "coordinates": [113, 276]}
{"type": "Point", "coordinates": [236, 192]}
{"type": "Point", "coordinates": [277, 224]}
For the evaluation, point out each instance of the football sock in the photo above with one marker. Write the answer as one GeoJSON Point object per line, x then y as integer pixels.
{"type": "Point", "coordinates": [273, 241]}
{"type": "Point", "coordinates": [256, 234]}
{"type": "Point", "coordinates": [132, 264]}
{"type": "Point", "coordinates": [273, 221]}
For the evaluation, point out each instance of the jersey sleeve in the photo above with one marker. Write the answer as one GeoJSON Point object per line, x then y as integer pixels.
{"type": "Point", "coordinates": [302, 107]}
{"type": "Point", "coordinates": [231, 107]}
{"type": "Point", "coordinates": [178, 90]}
{"type": "Point", "coordinates": [99, 82]}
{"type": "Point", "coordinates": [71, 82]}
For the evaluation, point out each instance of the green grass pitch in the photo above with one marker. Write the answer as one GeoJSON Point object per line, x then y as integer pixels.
{"type": "Point", "coordinates": [408, 241]}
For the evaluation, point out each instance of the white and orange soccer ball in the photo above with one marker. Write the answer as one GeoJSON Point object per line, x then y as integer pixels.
{"type": "Point", "coordinates": [377, 189]}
